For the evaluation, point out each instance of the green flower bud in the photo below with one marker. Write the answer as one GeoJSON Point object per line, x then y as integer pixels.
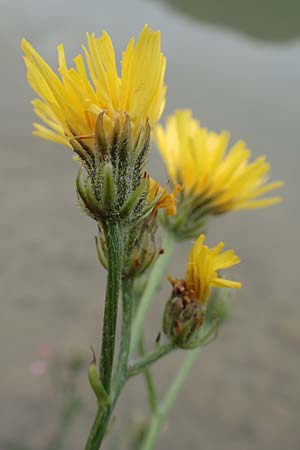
{"type": "Point", "coordinates": [140, 244]}
{"type": "Point", "coordinates": [142, 249]}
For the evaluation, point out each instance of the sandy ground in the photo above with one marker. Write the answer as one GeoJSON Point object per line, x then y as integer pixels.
{"type": "Point", "coordinates": [244, 392]}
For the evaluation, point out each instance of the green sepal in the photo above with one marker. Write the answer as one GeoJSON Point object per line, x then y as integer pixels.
{"type": "Point", "coordinates": [124, 168]}
{"type": "Point", "coordinates": [114, 141]}
{"type": "Point", "coordinates": [125, 137]}
{"type": "Point", "coordinates": [92, 200]}
{"type": "Point", "coordinates": [86, 196]}
{"type": "Point", "coordinates": [109, 190]}
{"type": "Point", "coordinates": [79, 187]}
{"type": "Point", "coordinates": [85, 156]}
{"type": "Point", "coordinates": [193, 231]}
{"type": "Point", "coordinates": [101, 141]}
{"type": "Point", "coordinates": [193, 212]}
{"type": "Point", "coordinates": [142, 149]}
{"type": "Point", "coordinates": [81, 196]}
{"type": "Point", "coordinates": [134, 198]}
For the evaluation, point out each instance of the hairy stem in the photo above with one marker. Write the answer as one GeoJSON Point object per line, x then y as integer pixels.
{"type": "Point", "coordinates": [127, 305]}
{"type": "Point", "coordinates": [114, 237]}
{"type": "Point", "coordinates": [114, 243]}
{"type": "Point", "coordinates": [98, 428]}
{"type": "Point", "coordinates": [104, 414]}
{"type": "Point", "coordinates": [154, 280]}
{"type": "Point", "coordinates": [149, 359]}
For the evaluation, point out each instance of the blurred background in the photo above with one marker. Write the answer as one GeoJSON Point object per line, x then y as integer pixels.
{"type": "Point", "coordinates": [237, 64]}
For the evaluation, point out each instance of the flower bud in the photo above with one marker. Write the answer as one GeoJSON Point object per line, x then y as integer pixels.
{"type": "Point", "coordinates": [183, 318]}
{"type": "Point", "coordinates": [187, 322]}
{"type": "Point", "coordinates": [142, 248]}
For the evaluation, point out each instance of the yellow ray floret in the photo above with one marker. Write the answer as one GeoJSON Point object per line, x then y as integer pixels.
{"type": "Point", "coordinates": [167, 200]}
{"type": "Point", "coordinates": [70, 102]}
{"type": "Point", "coordinates": [203, 266]}
{"type": "Point", "coordinates": [198, 159]}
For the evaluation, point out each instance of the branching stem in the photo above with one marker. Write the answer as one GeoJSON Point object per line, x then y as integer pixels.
{"type": "Point", "coordinates": [153, 283]}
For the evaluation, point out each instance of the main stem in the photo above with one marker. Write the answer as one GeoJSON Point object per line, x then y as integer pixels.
{"type": "Point", "coordinates": [127, 311]}
{"type": "Point", "coordinates": [152, 285]}
{"type": "Point", "coordinates": [159, 417]}
{"type": "Point", "coordinates": [115, 247]}
{"type": "Point", "coordinates": [99, 427]}
{"type": "Point", "coordinates": [114, 237]}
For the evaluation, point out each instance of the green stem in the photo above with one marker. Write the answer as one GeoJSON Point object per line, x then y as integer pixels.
{"type": "Point", "coordinates": [154, 279]}
{"type": "Point", "coordinates": [149, 359]}
{"type": "Point", "coordinates": [127, 305]}
{"type": "Point", "coordinates": [114, 237]}
{"type": "Point", "coordinates": [152, 396]}
{"type": "Point", "coordinates": [104, 414]}
{"type": "Point", "coordinates": [163, 410]}
{"type": "Point", "coordinates": [98, 429]}
{"type": "Point", "coordinates": [114, 243]}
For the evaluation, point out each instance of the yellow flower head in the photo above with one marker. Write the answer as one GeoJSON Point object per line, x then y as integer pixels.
{"type": "Point", "coordinates": [167, 200]}
{"type": "Point", "coordinates": [202, 270]}
{"type": "Point", "coordinates": [224, 180]}
{"type": "Point", "coordinates": [70, 102]}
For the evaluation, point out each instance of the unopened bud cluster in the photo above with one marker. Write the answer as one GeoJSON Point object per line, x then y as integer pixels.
{"type": "Point", "coordinates": [141, 247]}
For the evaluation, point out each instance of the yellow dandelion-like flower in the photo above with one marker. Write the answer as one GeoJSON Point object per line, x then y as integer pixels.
{"type": "Point", "coordinates": [190, 318]}
{"type": "Point", "coordinates": [223, 180]}
{"type": "Point", "coordinates": [70, 102]}
{"type": "Point", "coordinates": [167, 200]}
{"type": "Point", "coordinates": [202, 270]}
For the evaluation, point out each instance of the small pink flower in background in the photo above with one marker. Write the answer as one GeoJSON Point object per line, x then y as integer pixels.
{"type": "Point", "coordinates": [38, 367]}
